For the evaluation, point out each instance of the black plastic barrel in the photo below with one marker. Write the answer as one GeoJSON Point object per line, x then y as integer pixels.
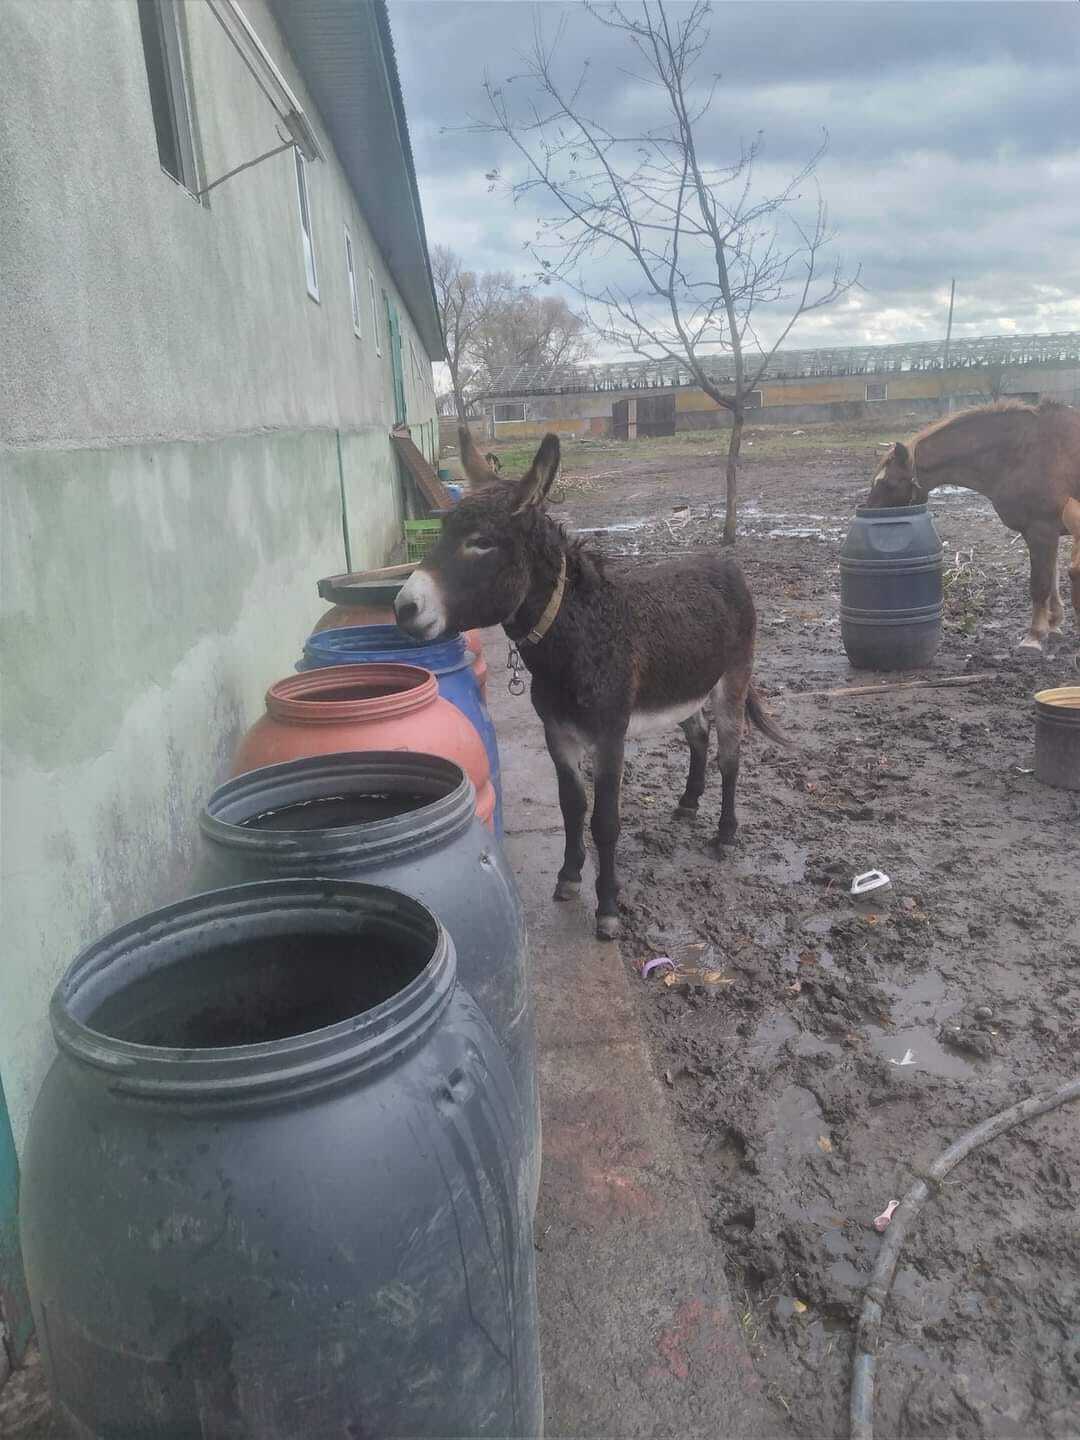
{"type": "Point", "coordinates": [407, 821]}
{"type": "Point", "coordinates": [891, 599]}
{"type": "Point", "coordinates": [274, 1182]}
{"type": "Point", "coordinates": [1057, 737]}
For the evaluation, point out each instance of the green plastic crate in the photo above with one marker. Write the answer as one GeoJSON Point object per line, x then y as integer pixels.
{"type": "Point", "coordinates": [420, 537]}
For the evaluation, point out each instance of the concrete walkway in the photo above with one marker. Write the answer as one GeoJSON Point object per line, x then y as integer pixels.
{"type": "Point", "coordinates": [639, 1334]}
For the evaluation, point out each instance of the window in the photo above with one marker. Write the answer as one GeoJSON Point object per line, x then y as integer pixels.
{"type": "Point", "coordinates": [163, 51]}
{"type": "Point", "coordinates": [374, 310]}
{"type": "Point", "coordinates": [877, 390]}
{"type": "Point", "coordinates": [508, 411]}
{"type": "Point", "coordinates": [754, 400]}
{"type": "Point", "coordinates": [354, 292]}
{"type": "Point", "coordinates": [305, 225]}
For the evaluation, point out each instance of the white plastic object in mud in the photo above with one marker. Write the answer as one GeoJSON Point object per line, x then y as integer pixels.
{"type": "Point", "coordinates": [870, 883]}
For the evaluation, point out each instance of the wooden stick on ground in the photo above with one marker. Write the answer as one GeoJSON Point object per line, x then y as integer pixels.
{"type": "Point", "coordinates": [895, 685]}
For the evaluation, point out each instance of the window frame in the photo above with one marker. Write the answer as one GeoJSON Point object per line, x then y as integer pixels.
{"type": "Point", "coordinates": [354, 291]}
{"type": "Point", "coordinates": [883, 385]}
{"type": "Point", "coordinates": [760, 400]}
{"type": "Point", "coordinates": [168, 38]}
{"type": "Point", "coordinates": [307, 228]}
{"type": "Point", "coordinates": [507, 419]}
{"type": "Point", "coordinates": [373, 294]}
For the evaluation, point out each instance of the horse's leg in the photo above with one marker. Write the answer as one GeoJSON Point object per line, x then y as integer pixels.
{"type": "Point", "coordinates": [696, 730]}
{"type": "Point", "coordinates": [729, 713]}
{"type": "Point", "coordinates": [1070, 518]}
{"type": "Point", "coordinates": [565, 747]}
{"type": "Point", "coordinates": [607, 783]}
{"type": "Point", "coordinates": [1042, 542]}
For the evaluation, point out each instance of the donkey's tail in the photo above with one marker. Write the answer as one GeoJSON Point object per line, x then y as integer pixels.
{"type": "Point", "coordinates": [760, 719]}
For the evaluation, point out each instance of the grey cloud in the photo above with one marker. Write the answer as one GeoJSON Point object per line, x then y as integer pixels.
{"type": "Point", "coordinates": [954, 139]}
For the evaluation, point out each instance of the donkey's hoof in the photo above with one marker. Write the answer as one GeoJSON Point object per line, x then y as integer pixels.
{"type": "Point", "coordinates": [567, 889]}
{"type": "Point", "coordinates": [686, 812]}
{"type": "Point", "coordinates": [1029, 642]}
{"type": "Point", "coordinates": [607, 927]}
{"type": "Point", "coordinates": [727, 836]}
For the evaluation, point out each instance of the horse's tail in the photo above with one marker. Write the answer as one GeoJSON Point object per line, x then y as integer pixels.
{"type": "Point", "coordinates": [760, 719]}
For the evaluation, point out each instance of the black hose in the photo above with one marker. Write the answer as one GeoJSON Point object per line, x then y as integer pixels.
{"type": "Point", "coordinates": [867, 1337]}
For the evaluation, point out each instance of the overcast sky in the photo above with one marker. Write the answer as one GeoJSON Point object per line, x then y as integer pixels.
{"type": "Point", "coordinates": [954, 142]}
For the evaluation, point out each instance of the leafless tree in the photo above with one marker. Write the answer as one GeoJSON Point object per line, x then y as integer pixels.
{"type": "Point", "coordinates": [491, 322]}
{"type": "Point", "coordinates": [457, 297]}
{"type": "Point", "coordinates": [696, 252]}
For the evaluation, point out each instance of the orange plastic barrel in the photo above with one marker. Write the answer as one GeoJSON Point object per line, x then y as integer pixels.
{"type": "Point", "coordinates": [350, 708]}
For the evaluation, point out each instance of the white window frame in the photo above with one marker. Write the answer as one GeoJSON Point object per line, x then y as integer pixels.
{"type": "Point", "coordinates": [354, 290]}
{"type": "Point", "coordinates": [307, 233]}
{"type": "Point", "coordinates": [174, 62]}
{"type": "Point", "coordinates": [877, 399]}
{"type": "Point", "coordinates": [760, 399]}
{"type": "Point", "coordinates": [374, 295]}
{"type": "Point", "coordinates": [503, 404]}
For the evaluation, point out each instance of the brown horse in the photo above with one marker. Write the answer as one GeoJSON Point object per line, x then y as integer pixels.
{"type": "Point", "coordinates": [610, 656]}
{"type": "Point", "coordinates": [1026, 460]}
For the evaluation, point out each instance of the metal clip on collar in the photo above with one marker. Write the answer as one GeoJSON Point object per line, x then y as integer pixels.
{"type": "Point", "coordinates": [516, 685]}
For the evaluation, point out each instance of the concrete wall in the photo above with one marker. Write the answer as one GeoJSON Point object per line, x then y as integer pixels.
{"type": "Point", "coordinates": [182, 425]}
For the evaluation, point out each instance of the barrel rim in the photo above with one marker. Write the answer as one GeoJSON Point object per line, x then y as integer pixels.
{"type": "Point", "coordinates": [441, 657]}
{"type": "Point", "coordinates": [891, 512]}
{"type": "Point", "coordinates": [292, 1065]}
{"type": "Point", "coordinates": [1048, 703]}
{"type": "Point", "coordinates": [449, 813]}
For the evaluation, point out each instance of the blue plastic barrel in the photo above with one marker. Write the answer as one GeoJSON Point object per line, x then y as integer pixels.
{"type": "Point", "coordinates": [449, 660]}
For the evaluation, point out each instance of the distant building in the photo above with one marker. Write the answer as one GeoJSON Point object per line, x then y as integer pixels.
{"type": "Point", "coordinates": [643, 398]}
{"type": "Point", "coordinates": [199, 384]}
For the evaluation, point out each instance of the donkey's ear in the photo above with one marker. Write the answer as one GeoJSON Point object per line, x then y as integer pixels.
{"type": "Point", "coordinates": [478, 473]}
{"type": "Point", "coordinates": [900, 452]}
{"type": "Point", "coordinates": [535, 485]}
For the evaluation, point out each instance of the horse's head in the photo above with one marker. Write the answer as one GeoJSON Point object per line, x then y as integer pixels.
{"type": "Point", "coordinates": [480, 571]}
{"type": "Point", "coordinates": [894, 483]}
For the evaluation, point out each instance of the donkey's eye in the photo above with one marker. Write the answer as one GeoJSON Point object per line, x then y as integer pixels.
{"type": "Point", "coordinates": [478, 544]}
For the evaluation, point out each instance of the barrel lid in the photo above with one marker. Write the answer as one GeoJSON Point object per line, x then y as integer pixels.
{"type": "Point", "coordinates": [889, 512]}
{"type": "Point", "coordinates": [1065, 697]}
{"type": "Point", "coordinates": [365, 587]}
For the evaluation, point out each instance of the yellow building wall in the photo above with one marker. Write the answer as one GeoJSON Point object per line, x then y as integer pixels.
{"type": "Point", "coordinates": [833, 389]}
{"type": "Point", "coordinates": [531, 429]}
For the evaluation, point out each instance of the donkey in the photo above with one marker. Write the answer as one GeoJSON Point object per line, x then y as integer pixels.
{"type": "Point", "coordinates": [1026, 460]}
{"type": "Point", "coordinates": [609, 656]}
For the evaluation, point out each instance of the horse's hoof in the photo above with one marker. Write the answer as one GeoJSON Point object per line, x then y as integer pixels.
{"type": "Point", "coordinates": [567, 889]}
{"type": "Point", "coordinates": [686, 812]}
{"type": "Point", "coordinates": [607, 927]}
{"type": "Point", "coordinates": [1029, 642]}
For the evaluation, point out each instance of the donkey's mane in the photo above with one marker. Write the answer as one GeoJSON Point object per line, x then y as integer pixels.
{"type": "Point", "coordinates": [978, 412]}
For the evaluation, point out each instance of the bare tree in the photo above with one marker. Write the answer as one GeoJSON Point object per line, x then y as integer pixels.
{"type": "Point", "coordinates": [457, 299]}
{"type": "Point", "coordinates": [689, 254]}
{"type": "Point", "coordinates": [492, 322]}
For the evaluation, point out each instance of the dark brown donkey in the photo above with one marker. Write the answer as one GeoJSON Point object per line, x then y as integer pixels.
{"type": "Point", "coordinates": [609, 656]}
{"type": "Point", "coordinates": [1026, 460]}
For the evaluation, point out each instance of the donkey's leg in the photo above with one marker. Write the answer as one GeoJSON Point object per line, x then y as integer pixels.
{"type": "Point", "coordinates": [565, 747]}
{"type": "Point", "coordinates": [1042, 542]}
{"type": "Point", "coordinates": [696, 730]}
{"type": "Point", "coordinates": [607, 783]}
{"type": "Point", "coordinates": [729, 712]}
{"type": "Point", "coordinates": [1070, 518]}
{"type": "Point", "coordinates": [1057, 610]}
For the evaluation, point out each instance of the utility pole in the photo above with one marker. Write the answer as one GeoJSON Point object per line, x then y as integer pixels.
{"type": "Point", "coordinates": [948, 339]}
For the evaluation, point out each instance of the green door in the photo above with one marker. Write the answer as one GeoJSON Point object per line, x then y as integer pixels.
{"type": "Point", "coordinates": [14, 1304]}
{"type": "Point", "coordinates": [393, 327]}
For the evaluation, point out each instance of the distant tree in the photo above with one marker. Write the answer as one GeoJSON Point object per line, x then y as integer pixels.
{"type": "Point", "coordinates": [675, 256]}
{"type": "Point", "coordinates": [492, 322]}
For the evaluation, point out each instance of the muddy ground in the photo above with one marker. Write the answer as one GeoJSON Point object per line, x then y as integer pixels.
{"type": "Point", "coordinates": [799, 1121]}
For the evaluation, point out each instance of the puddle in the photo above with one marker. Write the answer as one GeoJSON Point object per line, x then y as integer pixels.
{"type": "Point", "coordinates": [798, 1125]}
{"type": "Point", "coordinates": [619, 528]}
{"type": "Point", "coordinates": [931, 1057]}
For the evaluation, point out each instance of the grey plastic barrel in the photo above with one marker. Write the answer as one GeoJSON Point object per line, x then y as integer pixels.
{"type": "Point", "coordinates": [1057, 737]}
{"type": "Point", "coordinates": [274, 1184]}
{"type": "Point", "coordinates": [408, 821]}
{"type": "Point", "coordinates": [891, 591]}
